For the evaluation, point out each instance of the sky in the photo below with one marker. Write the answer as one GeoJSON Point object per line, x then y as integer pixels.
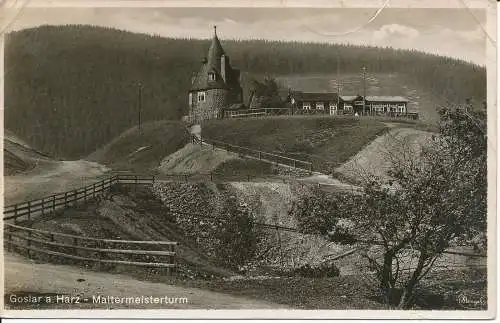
{"type": "Point", "coordinates": [459, 33]}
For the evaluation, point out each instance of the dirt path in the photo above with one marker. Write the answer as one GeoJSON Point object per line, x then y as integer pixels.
{"type": "Point", "coordinates": [22, 275]}
{"type": "Point", "coordinates": [64, 176]}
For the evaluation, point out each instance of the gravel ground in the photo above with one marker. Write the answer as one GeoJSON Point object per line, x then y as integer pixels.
{"type": "Point", "coordinates": [24, 277]}
{"type": "Point", "coordinates": [375, 158]}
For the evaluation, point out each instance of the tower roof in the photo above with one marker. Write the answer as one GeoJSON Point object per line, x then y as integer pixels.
{"type": "Point", "coordinates": [215, 51]}
{"type": "Point", "coordinates": [213, 65]}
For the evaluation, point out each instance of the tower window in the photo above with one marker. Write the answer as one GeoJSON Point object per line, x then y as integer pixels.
{"type": "Point", "coordinates": [211, 76]}
{"type": "Point", "coordinates": [201, 96]}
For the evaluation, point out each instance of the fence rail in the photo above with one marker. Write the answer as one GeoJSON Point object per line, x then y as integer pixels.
{"type": "Point", "coordinates": [95, 250]}
{"type": "Point", "coordinates": [46, 205]}
{"type": "Point", "coordinates": [260, 155]}
{"type": "Point", "coordinates": [57, 201]}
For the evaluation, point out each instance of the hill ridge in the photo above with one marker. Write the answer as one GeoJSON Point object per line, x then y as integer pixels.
{"type": "Point", "coordinates": [76, 78]}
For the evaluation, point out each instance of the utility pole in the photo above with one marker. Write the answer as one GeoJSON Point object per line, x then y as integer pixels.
{"type": "Point", "coordinates": [364, 90]}
{"type": "Point", "coordinates": [338, 85]}
{"type": "Point", "coordinates": [139, 101]}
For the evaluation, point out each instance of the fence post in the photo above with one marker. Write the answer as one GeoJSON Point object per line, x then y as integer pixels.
{"type": "Point", "coordinates": [9, 239]}
{"type": "Point", "coordinates": [211, 177]}
{"type": "Point", "coordinates": [54, 203]}
{"type": "Point", "coordinates": [28, 243]}
{"type": "Point", "coordinates": [43, 206]}
{"type": "Point", "coordinates": [93, 190]}
{"type": "Point", "coordinates": [75, 196]}
{"type": "Point", "coordinates": [260, 155]}
{"type": "Point", "coordinates": [65, 199]}
{"type": "Point", "coordinates": [186, 177]}
{"type": "Point", "coordinates": [29, 210]}
{"type": "Point", "coordinates": [15, 213]}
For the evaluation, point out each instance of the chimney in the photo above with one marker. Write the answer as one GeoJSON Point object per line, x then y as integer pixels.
{"type": "Point", "coordinates": [223, 67]}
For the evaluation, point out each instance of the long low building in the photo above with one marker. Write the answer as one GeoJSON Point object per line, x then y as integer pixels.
{"type": "Point", "coordinates": [376, 104]}
{"type": "Point", "coordinates": [332, 103]}
{"type": "Point", "coordinates": [313, 103]}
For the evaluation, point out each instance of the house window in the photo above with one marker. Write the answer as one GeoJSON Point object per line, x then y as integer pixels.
{"type": "Point", "coordinates": [201, 96]}
{"type": "Point", "coordinates": [320, 106]}
{"type": "Point", "coordinates": [333, 109]}
{"type": "Point", "coordinates": [211, 76]}
{"type": "Point", "coordinates": [306, 106]}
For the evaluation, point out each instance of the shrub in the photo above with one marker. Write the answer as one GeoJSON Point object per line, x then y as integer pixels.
{"type": "Point", "coordinates": [320, 271]}
{"type": "Point", "coordinates": [238, 237]}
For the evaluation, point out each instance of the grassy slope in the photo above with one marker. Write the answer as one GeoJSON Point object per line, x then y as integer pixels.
{"type": "Point", "coordinates": [19, 157]}
{"type": "Point", "coordinates": [325, 141]}
{"type": "Point", "coordinates": [140, 152]}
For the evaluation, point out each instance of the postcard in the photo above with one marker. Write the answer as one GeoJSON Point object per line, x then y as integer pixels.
{"type": "Point", "coordinates": [249, 159]}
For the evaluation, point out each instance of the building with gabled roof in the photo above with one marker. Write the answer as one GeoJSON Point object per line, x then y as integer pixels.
{"type": "Point", "coordinates": [215, 86]}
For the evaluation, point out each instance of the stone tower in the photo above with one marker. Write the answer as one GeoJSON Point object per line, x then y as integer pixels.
{"type": "Point", "coordinates": [215, 86]}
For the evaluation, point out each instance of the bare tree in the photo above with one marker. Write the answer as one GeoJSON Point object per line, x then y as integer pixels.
{"type": "Point", "coordinates": [428, 203]}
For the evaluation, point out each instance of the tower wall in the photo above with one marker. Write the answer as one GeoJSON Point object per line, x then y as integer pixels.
{"type": "Point", "coordinates": [215, 100]}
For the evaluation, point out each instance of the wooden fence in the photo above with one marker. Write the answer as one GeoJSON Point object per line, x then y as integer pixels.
{"type": "Point", "coordinates": [35, 243]}
{"type": "Point", "coordinates": [26, 211]}
{"type": "Point", "coordinates": [258, 154]}
{"type": "Point", "coordinates": [58, 201]}
{"type": "Point", "coordinates": [45, 242]}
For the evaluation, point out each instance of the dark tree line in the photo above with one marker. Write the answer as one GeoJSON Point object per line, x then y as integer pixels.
{"type": "Point", "coordinates": [71, 89]}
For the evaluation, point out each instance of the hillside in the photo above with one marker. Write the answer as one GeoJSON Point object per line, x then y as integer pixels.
{"type": "Point", "coordinates": [326, 142]}
{"type": "Point", "coordinates": [71, 89]}
{"type": "Point", "coordinates": [19, 157]}
{"type": "Point", "coordinates": [142, 150]}
{"type": "Point", "coordinates": [379, 156]}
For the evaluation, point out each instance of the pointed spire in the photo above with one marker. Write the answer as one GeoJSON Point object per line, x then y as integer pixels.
{"type": "Point", "coordinates": [215, 51]}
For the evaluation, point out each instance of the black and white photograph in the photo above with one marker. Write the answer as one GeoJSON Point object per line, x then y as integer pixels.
{"type": "Point", "coordinates": [285, 159]}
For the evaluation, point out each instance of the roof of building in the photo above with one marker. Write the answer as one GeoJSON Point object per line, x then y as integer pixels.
{"type": "Point", "coordinates": [311, 96]}
{"type": "Point", "coordinates": [381, 98]}
{"type": "Point", "coordinates": [213, 64]}
{"type": "Point", "coordinates": [349, 97]}
{"type": "Point", "coordinates": [215, 52]}
{"type": "Point", "coordinates": [201, 81]}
